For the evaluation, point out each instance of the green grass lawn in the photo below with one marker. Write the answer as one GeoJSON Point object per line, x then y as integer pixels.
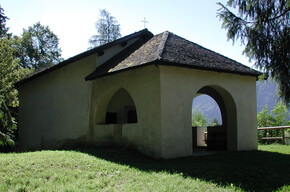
{"type": "Point", "coordinates": [111, 169]}
{"type": "Point", "coordinates": [285, 149]}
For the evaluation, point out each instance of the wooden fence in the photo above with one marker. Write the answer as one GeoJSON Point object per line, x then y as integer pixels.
{"type": "Point", "coordinates": [275, 128]}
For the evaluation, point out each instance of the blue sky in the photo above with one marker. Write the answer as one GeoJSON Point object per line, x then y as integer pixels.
{"type": "Point", "coordinates": [73, 21]}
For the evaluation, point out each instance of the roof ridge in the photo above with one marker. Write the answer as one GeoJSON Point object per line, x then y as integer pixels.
{"type": "Point", "coordinates": [162, 44]}
{"type": "Point", "coordinates": [169, 49]}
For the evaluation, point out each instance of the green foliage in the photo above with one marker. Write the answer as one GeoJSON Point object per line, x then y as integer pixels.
{"type": "Point", "coordinates": [280, 113]}
{"type": "Point", "coordinates": [214, 122]}
{"type": "Point", "coordinates": [10, 73]}
{"type": "Point", "coordinates": [38, 47]}
{"type": "Point", "coordinates": [263, 26]}
{"type": "Point", "coordinates": [108, 30]}
{"type": "Point", "coordinates": [198, 119]}
{"type": "Point", "coordinates": [264, 118]}
{"type": "Point", "coordinates": [3, 28]}
{"type": "Point", "coordinates": [277, 117]}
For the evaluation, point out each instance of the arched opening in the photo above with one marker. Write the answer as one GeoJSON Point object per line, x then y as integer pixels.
{"type": "Point", "coordinates": [219, 132]}
{"type": "Point", "coordinates": [121, 109]}
{"type": "Point", "coordinates": [206, 106]}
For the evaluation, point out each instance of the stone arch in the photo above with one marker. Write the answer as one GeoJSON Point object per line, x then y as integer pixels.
{"type": "Point", "coordinates": [121, 108]}
{"type": "Point", "coordinates": [227, 106]}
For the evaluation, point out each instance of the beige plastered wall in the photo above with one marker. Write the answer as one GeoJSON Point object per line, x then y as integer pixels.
{"type": "Point", "coordinates": [163, 97]}
{"type": "Point", "coordinates": [55, 107]}
{"type": "Point", "coordinates": [143, 87]}
{"type": "Point", "coordinates": [179, 86]}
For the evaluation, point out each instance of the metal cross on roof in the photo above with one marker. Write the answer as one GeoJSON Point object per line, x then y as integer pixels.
{"type": "Point", "coordinates": [144, 21]}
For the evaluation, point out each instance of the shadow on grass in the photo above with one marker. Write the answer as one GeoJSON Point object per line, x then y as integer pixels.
{"type": "Point", "coordinates": [251, 170]}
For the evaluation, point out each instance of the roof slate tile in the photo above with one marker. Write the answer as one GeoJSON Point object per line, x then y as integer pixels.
{"type": "Point", "coordinates": [171, 49]}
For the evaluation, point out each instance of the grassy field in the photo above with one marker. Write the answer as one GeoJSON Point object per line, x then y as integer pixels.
{"type": "Point", "coordinates": [111, 169]}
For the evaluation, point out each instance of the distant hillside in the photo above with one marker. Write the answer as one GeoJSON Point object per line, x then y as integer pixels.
{"type": "Point", "coordinates": [266, 92]}
{"type": "Point", "coordinates": [207, 105]}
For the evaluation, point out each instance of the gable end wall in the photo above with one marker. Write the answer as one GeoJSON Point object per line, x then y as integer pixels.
{"type": "Point", "coordinates": [55, 107]}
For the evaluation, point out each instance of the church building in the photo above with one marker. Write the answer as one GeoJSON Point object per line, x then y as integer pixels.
{"type": "Point", "coordinates": [137, 92]}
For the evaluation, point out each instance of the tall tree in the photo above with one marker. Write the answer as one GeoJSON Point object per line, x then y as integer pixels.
{"type": "Point", "coordinates": [3, 28]}
{"type": "Point", "coordinates": [38, 47]}
{"type": "Point", "coordinates": [263, 27]}
{"type": "Point", "coordinates": [10, 73]}
{"type": "Point", "coordinates": [108, 30]}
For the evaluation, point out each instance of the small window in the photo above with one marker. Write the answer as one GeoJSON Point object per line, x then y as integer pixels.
{"type": "Point", "coordinates": [121, 109]}
{"type": "Point", "coordinates": [111, 118]}
{"type": "Point", "coordinates": [132, 116]}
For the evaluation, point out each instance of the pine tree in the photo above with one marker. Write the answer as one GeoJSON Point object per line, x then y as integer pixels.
{"type": "Point", "coordinates": [3, 28]}
{"type": "Point", "coordinates": [108, 30]}
{"type": "Point", "coordinates": [264, 28]}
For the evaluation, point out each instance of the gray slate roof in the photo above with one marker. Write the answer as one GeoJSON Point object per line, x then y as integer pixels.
{"type": "Point", "coordinates": [170, 49]}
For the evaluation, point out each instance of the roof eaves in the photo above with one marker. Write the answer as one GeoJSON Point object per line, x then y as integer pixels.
{"type": "Point", "coordinates": [166, 63]}
{"type": "Point", "coordinates": [125, 69]}
{"type": "Point", "coordinates": [83, 55]}
{"type": "Point", "coordinates": [253, 73]}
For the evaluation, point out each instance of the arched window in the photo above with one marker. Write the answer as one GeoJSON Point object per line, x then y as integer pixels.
{"type": "Point", "coordinates": [121, 109]}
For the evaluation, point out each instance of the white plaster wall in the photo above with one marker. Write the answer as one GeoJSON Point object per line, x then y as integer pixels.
{"type": "Point", "coordinates": [108, 53]}
{"type": "Point", "coordinates": [55, 107]}
{"type": "Point", "coordinates": [178, 88]}
{"type": "Point", "coordinates": [200, 140]}
{"type": "Point", "coordinates": [246, 102]}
